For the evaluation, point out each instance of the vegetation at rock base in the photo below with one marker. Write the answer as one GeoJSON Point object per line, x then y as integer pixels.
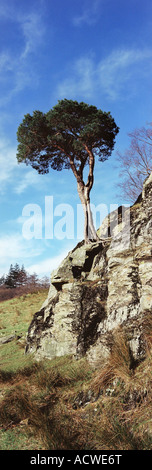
{"type": "Point", "coordinates": [65, 404]}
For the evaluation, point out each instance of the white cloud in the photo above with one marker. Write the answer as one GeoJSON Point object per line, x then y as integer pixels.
{"type": "Point", "coordinates": [118, 68]}
{"type": "Point", "coordinates": [14, 248]}
{"type": "Point", "coordinates": [16, 68]}
{"type": "Point", "coordinates": [11, 246]}
{"type": "Point", "coordinates": [33, 31]}
{"type": "Point", "coordinates": [8, 162]}
{"type": "Point", "coordinates": [109, 76]}
{"type": "Point", "coordinates": [46, 266]}
{"type": "Point", "coordinates": [9, 168]}
{"type": "Point", "coordinates": [90, 14]}
{"type": "Point", "coordinates": [81, 80]}
{"type": "Point", "coordinates": [5, 64]}
{"type": "Point", "coordinates": [31, 26]}
{"type": "Point", "coordinates": [14, 245]}
{"type": "Point", "coordinates": [31, 178]}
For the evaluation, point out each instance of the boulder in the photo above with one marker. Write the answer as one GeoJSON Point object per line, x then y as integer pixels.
{"type": "Point", "coordinates": [99, 287]}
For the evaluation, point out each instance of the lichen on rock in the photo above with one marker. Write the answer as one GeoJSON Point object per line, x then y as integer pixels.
{"type": "Point", "coordinates": [99, 287]}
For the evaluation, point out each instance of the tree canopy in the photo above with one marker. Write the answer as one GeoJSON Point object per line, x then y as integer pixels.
{"type": "Point", "coordinates": [70, 135]}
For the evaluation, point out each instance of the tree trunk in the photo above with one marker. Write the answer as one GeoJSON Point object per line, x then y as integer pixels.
{"type": "Point", "coordinates": [84, 192]}
{"type": "Point", "coordinates": [92, 231]}
{"type": "Point", "coordinates": [89, 229]}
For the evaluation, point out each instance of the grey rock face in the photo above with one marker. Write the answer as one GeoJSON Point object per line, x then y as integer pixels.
{"type": "Point", "coordinates": [99, 287]}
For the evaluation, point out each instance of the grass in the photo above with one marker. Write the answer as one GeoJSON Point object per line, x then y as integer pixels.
{"type": "Point", "coordinates": [65, 404]}
{"type": "Point", "coordinates": [15, 317]}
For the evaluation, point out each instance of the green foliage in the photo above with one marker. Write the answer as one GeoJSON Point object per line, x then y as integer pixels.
{"type": "Point", "coordinates": [65, 133]}
{"type": "Point", "coordinates": [16, 276]}
{"type": "Point", "coordinates": [15, 317]}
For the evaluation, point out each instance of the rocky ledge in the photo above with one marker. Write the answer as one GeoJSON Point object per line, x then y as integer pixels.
{"type": "Point", "coordinates": [99, 287]}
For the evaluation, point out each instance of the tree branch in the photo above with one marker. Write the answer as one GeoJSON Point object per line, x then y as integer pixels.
{"type": "Point", "coordinates": [76, 173]}
{"type": "Point", "coordinates": [89, 183]}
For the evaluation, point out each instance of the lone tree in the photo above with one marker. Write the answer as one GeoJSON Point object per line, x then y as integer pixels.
{"type": "Point", "coordinates": [70, 135]}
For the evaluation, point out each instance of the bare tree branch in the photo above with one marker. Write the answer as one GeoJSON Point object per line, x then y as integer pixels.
{"type": "Point", "coordinates": [135, 163]}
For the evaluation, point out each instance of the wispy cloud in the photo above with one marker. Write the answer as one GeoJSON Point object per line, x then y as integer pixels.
{"type": "Point", "coordinates": [31, 178]}
{"type": "Point", "coordinates": [30, 24]}
{"type": "Point", "coordinates": [10, 168]}
{"type": "Point", "coordinates": [48, 265]}
{"type": "Point", "coordinates": [33, 31]}
{"type": "Point", "coordinates": [15, 245]}
{"type": "Point", "coordinates": [14, 248]}
{"type": "Point", "coordinates": [8, 162]}
{"type": "Point", "coordinates": [81, 79]}
{"type": "Point", "coordinates": [109, 76]}
{"type": "Point", "coordinates": [5, 64]}
{"type": "Point", "coordinates": [16, 70]}
{"type": "Point", "coordinates": [90, 13]}
{"type": "Point", "coordinates": [119, 67]}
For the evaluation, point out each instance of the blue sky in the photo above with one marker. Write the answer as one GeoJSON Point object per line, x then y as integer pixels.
{"type": "Point", "coordinates": [97, 51]}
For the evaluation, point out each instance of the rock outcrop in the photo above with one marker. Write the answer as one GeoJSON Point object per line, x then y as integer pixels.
{"type": "Point", "coordinates": [99, 287]}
